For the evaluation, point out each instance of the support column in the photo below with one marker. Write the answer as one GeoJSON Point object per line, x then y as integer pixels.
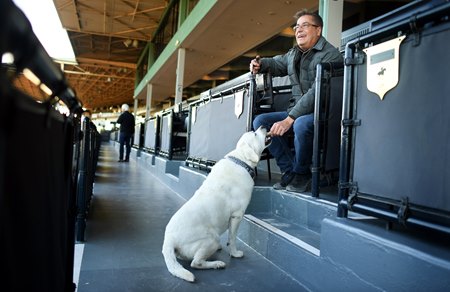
{"type": "Point", "coordinates": [182, 11]}
{"type": "Point", "coordinates": [180, 76]}
{"type": "Point", "coordinates": [136, 103]}
{"type": "Point", "coordinates": [151, 54]}
{"type": "Point", "coordinates": [331, 12]}
{"type": "Point", "coordinates": [148, 102]}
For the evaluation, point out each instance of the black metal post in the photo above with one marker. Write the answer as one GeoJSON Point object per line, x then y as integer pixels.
{"type": "Point", "coordinates": [82, 189]}
{"type": "Point", "coordinates": [345, 134]}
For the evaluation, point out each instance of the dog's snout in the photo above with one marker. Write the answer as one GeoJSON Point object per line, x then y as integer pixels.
{"type": "Point", "coordinates": [268, 140]}
{"type": "Point", "coordinates": [262, 128]}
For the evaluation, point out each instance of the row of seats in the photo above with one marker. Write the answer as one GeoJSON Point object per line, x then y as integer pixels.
{"type": "Point", "coordinates": [203, 131]}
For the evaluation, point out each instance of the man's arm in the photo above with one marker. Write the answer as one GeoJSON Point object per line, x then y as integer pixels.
{"type": "Point", "coordinates": [276, 65]}
{"type": "Point", "coordinates": [281, 127]}
{"type": "Point", "coordinates": [119, 120]}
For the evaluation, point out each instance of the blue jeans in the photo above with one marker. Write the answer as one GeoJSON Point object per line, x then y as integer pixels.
{"type": "Point", "coordinates": [303, 129]}
{"type": "Point", "coordinates": [125, 140]}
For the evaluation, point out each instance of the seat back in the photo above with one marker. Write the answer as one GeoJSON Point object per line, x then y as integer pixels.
{"type": "Point", "coordinates": [327, 124]}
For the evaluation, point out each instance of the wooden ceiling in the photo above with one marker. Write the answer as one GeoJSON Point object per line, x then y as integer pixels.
{"type": "Point", "coordinates": [107, 37]}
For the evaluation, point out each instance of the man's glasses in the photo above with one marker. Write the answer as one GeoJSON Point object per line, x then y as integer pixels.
{"type": "Point", "coordinates": [304, 25]}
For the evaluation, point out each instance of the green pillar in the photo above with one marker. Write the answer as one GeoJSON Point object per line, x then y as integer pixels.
{"type": "Point", "coordinates": [331, 12]}
{"type": "Point", "coordinates": [182, 11]}
{"type": "Point", "coordinates": [151, 54]}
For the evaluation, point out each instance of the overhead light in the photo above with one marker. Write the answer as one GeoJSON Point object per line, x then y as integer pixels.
{"type": "Point", "coordinates": [48, 29]}
{"type": "Point", "coordinates": [30, 76]}
{"type": "Point", "coordinates": [127, 42]}
{"type": "Point", "coordinates": [8, 58]}
{"type": "Point", "coordinates": [45, 89]}
{"type": "Point", "coordinates": [135, 43]}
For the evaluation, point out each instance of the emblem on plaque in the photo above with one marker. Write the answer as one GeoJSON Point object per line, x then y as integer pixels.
{"type": "Point", "coordinates": [382, 66]}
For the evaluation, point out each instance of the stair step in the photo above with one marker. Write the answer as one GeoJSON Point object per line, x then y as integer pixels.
{"type": "Point", "coordinates": [299, 236]}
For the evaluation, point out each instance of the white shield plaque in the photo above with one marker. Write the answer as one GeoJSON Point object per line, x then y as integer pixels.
{"type": "Point", "coordinates": [239, 103]}
{"type": "Point", "coordinates": [382, 66]}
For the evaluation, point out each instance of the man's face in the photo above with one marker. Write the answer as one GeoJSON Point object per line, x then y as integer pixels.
{"type": "Point", "coordinates": [307, 33]}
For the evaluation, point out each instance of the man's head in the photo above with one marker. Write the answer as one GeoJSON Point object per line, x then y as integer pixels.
{"type": "Point", "coordinates": [125, 107]}
{"type": "Point", "coordinates": [308, 29]}
{"type": "Point", "coordinates": [87, 114]}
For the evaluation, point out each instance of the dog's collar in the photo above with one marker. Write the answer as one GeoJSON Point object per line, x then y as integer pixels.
{"type": "Point", "coordinates": [247, 167]}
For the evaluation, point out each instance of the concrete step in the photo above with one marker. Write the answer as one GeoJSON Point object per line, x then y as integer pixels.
{"type": "Point", "coordinates": [298, 215]}
{"type": "Point", "coordinates": [304, 238]}
{"type": "Point", "coordinates": [345, 254]}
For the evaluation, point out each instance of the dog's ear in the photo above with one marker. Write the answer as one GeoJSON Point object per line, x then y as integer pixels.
{"type": "Point", "coordinates": [248, 152]}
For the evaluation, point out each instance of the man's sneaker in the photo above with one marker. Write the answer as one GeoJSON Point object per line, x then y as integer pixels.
{"type": "Point", "coordinates": [300, 183]}
{"type": "Point", "coordinates": [286, 179]}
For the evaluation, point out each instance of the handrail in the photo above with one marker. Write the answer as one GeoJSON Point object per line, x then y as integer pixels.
{"type": "Point", "coordinates": [405, 24]}
{"type": "Point", "coordinates": [18, 38]}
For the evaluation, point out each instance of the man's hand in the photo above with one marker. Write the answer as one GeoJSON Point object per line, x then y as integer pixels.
{"type": "Point", "coordinates": [255, 65]}
{"type": "Point", "coordinates": [281, 127]}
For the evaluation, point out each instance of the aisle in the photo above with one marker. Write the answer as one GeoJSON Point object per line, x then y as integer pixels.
{"type": "Point", "coordinates": [125, 231]}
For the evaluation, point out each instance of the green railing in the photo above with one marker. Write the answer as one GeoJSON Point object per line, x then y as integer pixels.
{"type": "Point", "coordinates": [174, 15]}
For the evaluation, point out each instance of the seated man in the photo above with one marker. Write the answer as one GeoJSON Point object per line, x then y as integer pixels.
{"type": "Point", "coordinates": [299, 63]}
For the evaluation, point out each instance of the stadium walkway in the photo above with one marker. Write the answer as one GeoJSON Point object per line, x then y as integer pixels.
{"type": "Point", "coordinates": [125, 229]}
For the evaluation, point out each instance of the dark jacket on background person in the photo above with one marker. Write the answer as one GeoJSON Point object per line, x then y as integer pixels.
{"type": "Point", "coordinates": [126, 121]}
{"type": "Point", "coordinates": [303, 90]}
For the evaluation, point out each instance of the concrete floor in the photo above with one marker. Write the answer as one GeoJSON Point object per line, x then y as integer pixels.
{"type": "Point", "coordinates": [124, 235]}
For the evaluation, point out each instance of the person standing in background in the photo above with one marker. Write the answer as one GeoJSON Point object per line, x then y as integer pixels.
{"type": "Point", "coordinates": [126, 132]}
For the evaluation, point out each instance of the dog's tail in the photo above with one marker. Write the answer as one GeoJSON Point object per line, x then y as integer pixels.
{"type": "Point", "coordinates": [173, 265]}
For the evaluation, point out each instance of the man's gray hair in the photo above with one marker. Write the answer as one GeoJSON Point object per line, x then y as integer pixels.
{"type": "Point", "coordinates": [125, 107]}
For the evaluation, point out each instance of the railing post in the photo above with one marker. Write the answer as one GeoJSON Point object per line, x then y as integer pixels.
{"type": "Point", "coordinates": [82, 188]}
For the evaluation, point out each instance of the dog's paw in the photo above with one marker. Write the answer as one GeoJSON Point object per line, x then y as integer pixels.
{"type": "Point", "coordinates": [237, 253]}
{"type": "Point", "coordinates": [219, 265]}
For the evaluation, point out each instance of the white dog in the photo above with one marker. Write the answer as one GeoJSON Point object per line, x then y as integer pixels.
{"type": "Point", "coordinates": [193, 232]}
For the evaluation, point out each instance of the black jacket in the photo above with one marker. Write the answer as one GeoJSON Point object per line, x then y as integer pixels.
{"type": "Point", "coordinates": [126, 121]}
{"type": "Point", "coordinates": [303, 84]}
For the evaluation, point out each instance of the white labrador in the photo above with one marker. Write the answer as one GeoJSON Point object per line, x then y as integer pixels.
{"type": "Point", "coordinates": [193, 232]}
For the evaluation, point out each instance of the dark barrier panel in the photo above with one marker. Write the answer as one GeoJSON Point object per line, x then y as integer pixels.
{"type": "Point", "coordinates": [37, 201]}
{"type": "Point", "coordinates": [152, 132]}
{"type": "Point", "coordinates": [37, 183]}
{"type": "Point", "coordinates": [87, 164]}
{"type": "Point", "coordinates": [394, 158]}
{"type": "Point", "coordinates": [327, 125]}
{"type": "Point", "coordinates": [173, 133]}
{"type": "Point", "coordinates": [217, 122]}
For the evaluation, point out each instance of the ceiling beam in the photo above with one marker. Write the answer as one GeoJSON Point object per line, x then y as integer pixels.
{"type": "Point", "coordinates": [98, 75]}
{"type": "Point", "coordinates": [103, 13]}
{"type": "Point", "coordinates": [106, 62]}
{"type": "Point", "coordinates": [140, 12]}
{"type": "Point", "coordinates": [144, 38]}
